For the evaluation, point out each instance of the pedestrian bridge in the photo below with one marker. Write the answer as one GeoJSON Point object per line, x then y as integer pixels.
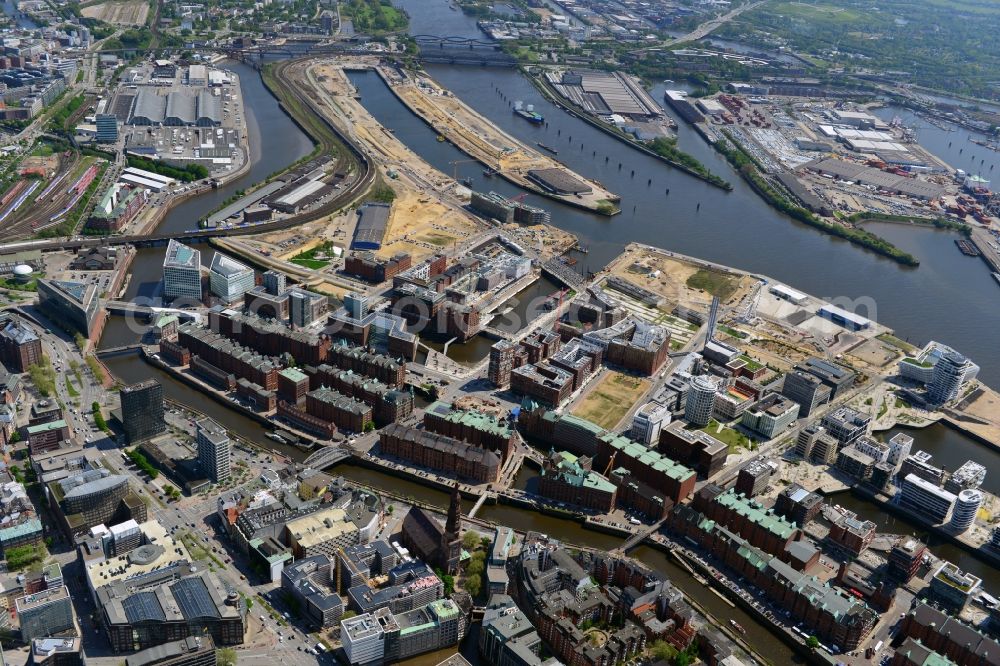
{"type": "Point", "coordinates": [149, 311]}
{"type": "Point", "coordinates": [640, 536]}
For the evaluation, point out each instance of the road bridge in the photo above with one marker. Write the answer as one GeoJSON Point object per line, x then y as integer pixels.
{"type": "Point", "coordinates": [562, 273]}
{"type": "Point", "coordinates": [148, 311]}
{"type": "Point", "coordinates": [496, 333]}
{"type": "Point", "coordinates": [111, 351]}
{"type": "Point", "coordinates": [326, 456]}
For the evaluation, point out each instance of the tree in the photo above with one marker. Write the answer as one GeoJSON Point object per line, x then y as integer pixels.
{"type": "Point", "coordinates": [448, 580]}
{"type": "Point", "coordinates": [470, 540]}
{"type": "Point", "coordinates": [475, 568]}
{"type": "Point", "coordinates": [812, 642]}
{"type": "Point", "coordinates": [474, 585]}
{"type": "Point", "coordinates": [662, 651]}
{"type": "Point", "coordinates": [225, 657]}
{"type": "Point", "coordinates": [485, 543]}
{"type": "Point", "coordinates": [688, 656]}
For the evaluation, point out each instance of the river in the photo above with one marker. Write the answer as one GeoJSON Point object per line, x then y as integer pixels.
{"type": "Point", "coordinates": [21, 20]}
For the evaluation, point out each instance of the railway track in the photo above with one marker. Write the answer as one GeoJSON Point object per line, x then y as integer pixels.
{"type": "Point", "coordinates": [26, 220]}
{"type": "Point", "coordinates": [329, 140]}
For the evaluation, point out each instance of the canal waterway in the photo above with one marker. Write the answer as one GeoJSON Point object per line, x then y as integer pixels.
{"type": "Point", "coordinates": [272, 150]}
{"type": "Point", "coordinates": [571, 532]}
{"type": "Point", "coordinates": [20, 19]}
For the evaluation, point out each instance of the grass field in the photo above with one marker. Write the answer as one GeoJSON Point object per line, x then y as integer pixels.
{"type": "Point", "coordinates": [714, 283]}
{"type": "Point", "coordinates": [314, 264]}
{"type": "Point", "coordinates": [309, 257]}
{"type": "Point", "coordinates": [733, 439]}
{"type": "Point", "coordinates": [609, 401]}
{"type": "Point", "coordinates": [816, 12]}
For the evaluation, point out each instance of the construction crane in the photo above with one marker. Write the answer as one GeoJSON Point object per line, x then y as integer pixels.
{"type": "Point", "coordinates": [611, 461]}
{"type": "Point", "coordinates": [558, 308]}
{"type": "Point", "coordinates": [454, 164]}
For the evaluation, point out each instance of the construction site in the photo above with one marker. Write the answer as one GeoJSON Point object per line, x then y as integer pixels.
{"type": "Point", "coordinates": [131, 12]}
{"type": "Point", "coordinates": [496, 150]}
{"type": "Point", "coordinates": [426, 209]}
{"type": "Point", "coordinates": [771, 325]}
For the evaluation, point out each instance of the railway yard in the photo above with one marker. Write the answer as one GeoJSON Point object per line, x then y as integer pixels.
{"type": "Point", "coordinates": [46, 191]}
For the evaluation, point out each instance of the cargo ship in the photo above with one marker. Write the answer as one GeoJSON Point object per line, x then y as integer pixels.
{"type": "Point", "coordinates": [548, 148]}
{"type": "Point", "coordinates": [528, 113]}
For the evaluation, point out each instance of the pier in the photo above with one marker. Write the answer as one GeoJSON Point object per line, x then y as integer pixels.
{"type": "Point", "coordinates": [982, 240]}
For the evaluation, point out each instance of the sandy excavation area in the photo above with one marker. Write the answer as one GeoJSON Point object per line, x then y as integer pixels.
{"type": "Point", "coordinates": [132, 12]}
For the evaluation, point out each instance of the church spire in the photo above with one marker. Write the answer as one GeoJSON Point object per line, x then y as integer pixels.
{"type": "Point", "coordinates": [454, 525]}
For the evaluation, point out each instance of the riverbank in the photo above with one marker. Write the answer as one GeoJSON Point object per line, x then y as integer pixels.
{"type": "Point", "coordinates": [985, 554]}
{"type": "Point", "coordinates": [909, 220]}
{"type": "Point", "coordinates": [490, 525]}
{"type": "Point", "coordinates": [748, 168]}
{"type": "Point", "coordinates": [706, 176]}
{"type": "Point", "coordinates": [308, 443]}
{"type": "Point", "coordinates": [498, 151]}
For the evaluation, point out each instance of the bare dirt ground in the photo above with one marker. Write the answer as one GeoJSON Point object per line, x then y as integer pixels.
{"type": "Point", "coordinates": [478, 137]}
{"type": "Point", "coordinates": [422, 226]}
{"type": "Point", "coordinates": [669, 276]}
{"type": "Point", "coordinates": [426, 217]}
{"type": "Point", "coordinates": [984, 408]}
{"type": "Point", "coordinates": [131, 12]}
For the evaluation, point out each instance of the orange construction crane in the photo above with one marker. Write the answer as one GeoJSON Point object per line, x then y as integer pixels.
{"type": "Point", "coordinates": [611, 462]}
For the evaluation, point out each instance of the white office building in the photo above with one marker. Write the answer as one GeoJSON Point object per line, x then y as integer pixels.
{"type": "Point", "coordinates": [648, 422]}
{"type": "Point", "coordinates": [182, 272]}
{"type": "Point", "coordinates": [700, 401]}
{"type": "Point", "coordinates": [970, 475]}
{"type": "Point", "coordinates": [899, 448]}
{"type": "Point", "coordinates": [951, 372]}
{"type": "Point", "coordinates": [214, 452]}
{"type": "Point", "coordinates": [870, 446]}
{"type": "Point", "coordinates": [363, 639]}
{"type": "Point", "coordinates": [229, 279]}
{"type": "Point", "coordinates": [925, 498]}
{"type": "Point", "coordinates": [966, 507]}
